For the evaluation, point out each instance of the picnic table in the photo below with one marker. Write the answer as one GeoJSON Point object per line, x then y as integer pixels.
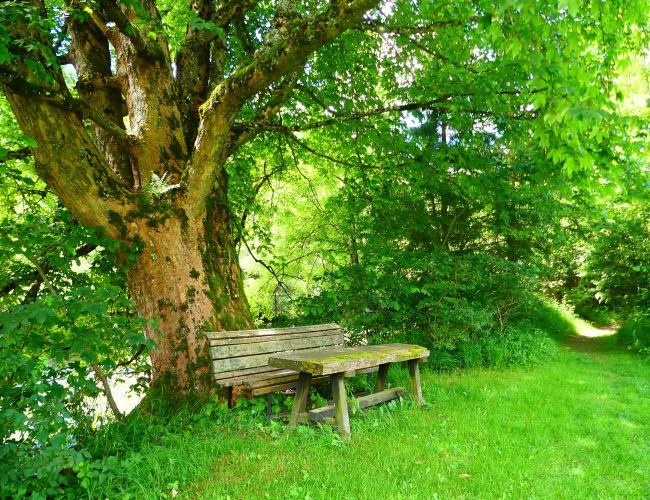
{"type": "Point", "coordinates": [339, 362]}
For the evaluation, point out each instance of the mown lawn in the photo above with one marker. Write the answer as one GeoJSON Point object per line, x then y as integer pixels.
{"type": "Point", "coordinates": [578, 426]}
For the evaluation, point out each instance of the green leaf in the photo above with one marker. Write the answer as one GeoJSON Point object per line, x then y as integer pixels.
{"type": "Point", "coordinates": [29, 141]}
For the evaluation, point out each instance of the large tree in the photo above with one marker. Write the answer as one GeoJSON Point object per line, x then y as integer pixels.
{"type": "Point", "coordinates": [136, 139]}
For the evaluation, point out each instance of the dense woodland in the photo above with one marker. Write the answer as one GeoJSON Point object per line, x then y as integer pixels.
{"type": "Point", "coordinates": [462, 175]}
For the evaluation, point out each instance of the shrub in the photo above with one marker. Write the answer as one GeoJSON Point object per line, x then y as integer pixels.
{"type": "Point", "coordinates": [635, 332]}
{"type": "Point", "coordinates": [468, 310]}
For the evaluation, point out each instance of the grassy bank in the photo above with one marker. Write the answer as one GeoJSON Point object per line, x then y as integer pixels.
{"type": "Point", "coordinates": [577, 426]}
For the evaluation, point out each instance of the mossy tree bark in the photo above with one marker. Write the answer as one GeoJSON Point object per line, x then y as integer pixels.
{"type": "Point", "coordinates": [181, 125]}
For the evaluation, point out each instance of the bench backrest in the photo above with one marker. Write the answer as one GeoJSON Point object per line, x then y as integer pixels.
{"type": "Point", "coordinates": [246, 352]}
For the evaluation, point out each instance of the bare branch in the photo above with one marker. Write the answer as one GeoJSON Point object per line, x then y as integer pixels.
{"type": "Point", "coordinates": [268, 267]}
{"type": "Point", "coordinates": [270, 110]}
{"type": "Point", "coordinates": [107, 390]}
{"type": "Point", "coordinates": [440, 103]}
{"type": "Point", "coordinates": [18, 154]}
{"type": "Point", "coordinates": [135, 356]}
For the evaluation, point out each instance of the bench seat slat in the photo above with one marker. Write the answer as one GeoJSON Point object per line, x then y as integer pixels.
{"type": "Point", "coordinates": [274, 386]}
{"type": "Point", "coordinates": [247, 380]}
{"type": "Point", "coordinates": [283, 386]}
{"type": "Point", "coordinates": [217, 377]}
{"type": "Point", "coordinates": [271, 331]}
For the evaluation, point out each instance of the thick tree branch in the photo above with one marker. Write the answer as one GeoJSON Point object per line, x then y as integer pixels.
{"type": "Point", "coordinates": [127, 28]}
{"type": "Point", "coordinates": [99, 118]}
{"type": "Point", "coordinates": [66, 102]}
{"type": "Point", "coordinates": [232, 10]}
{"type": "Point", "coordinates": [199, 62]}
{"type": "Point", "coordinates": [284, 50]}
{"type": "Point", "coordinates": [193, 67]}
{"type": "Point", "coordinates": [298, 39]}
{"type": "Point", "coordinates": [244, 39]}
{"type": "Point", "coordinates": [97, 86]}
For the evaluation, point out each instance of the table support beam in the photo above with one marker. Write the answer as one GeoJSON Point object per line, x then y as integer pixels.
{"type": "Point", "coordinates": [382, 375]}
{"type": "Point", "coordinates": [414, 375]}
{"type": "Point", "coordinates": [340, 404]}
{"type": "Point", "coordinates": [302, 395]}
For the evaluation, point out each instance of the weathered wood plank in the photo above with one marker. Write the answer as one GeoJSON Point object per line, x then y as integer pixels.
{"type": "Point", "coordinates": [414, 376]}
{"type": "Point", "coordinates": [246, 379]}
{"type": "Point", "coordinates": [300, 401]}
{"type": "Point", "coordinates": [326, 412]}
{"type": "Point", "coordinates": [231, 351]}
{"type": "Point", "coordinates": [243, 362]}
{"type": "Point", "coordinates": [218, 377]}
{"type": "Point", "coordinates": [272, 338]}
{"type": "Point", "coordinates": [258, 391]}
{"type": "Point", "coordinates": [326, 361]}
{"type": "Point", "coordinates": [257, 378]}
{"type": "Point", "coordinates": [270, 331]}
{"type": "Point", "coordinates": [340, 404]}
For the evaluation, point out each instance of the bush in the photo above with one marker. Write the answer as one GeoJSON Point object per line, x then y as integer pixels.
{"type": "Point", "coordinates": [616, 272]}
{"type": "Point", "coordinates": [635, 333]}
{"type": "Point", "coordinates": [468, 310]}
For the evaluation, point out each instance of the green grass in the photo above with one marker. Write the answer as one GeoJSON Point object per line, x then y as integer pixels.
{"type": "Point", "coordinates": [575, 427]}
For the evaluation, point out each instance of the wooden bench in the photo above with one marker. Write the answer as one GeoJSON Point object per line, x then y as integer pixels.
{"type": "Point", "coordinates": [305, 356]}
{"type": "Point", "coordinates": [240, 358]}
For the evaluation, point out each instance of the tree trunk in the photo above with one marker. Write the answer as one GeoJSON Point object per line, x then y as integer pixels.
{"type": "Point", "coordinates": [188, 281]}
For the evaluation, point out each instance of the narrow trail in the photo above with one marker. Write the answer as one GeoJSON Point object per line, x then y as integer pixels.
{"type": "Point", "coordinates": [591, 339]}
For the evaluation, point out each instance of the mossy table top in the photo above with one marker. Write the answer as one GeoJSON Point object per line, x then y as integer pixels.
{"type": "Point", "coordinates": [329, 360]}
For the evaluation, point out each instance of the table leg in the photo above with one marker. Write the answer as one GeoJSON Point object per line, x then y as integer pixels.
{"type": "Point", "coordinates": [340, 404]}
{"type": "Point", "coordinates": [414, 375]}
{"type": "Point", "coordinates": [382, 374]}
{"type": "Point", "coordinates": [300, 401]}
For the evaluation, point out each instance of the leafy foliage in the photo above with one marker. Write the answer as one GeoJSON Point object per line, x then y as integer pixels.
{"type": "Point", "coordinates": [64, 315]}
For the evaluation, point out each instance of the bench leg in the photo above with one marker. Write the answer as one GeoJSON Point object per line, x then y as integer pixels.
{"type": "Point", "coordinates": [340, 404]}
{"type": "Point", "coordinates": [232, 397]}
{"type": "Point", "coordinates": [269, 405]}
{"type": "Point", "coordinates": [300, 401]}
{"type": "Point", "coordinates": [382, 374]}
{"type": "Point", "coordinates": [414, 375]}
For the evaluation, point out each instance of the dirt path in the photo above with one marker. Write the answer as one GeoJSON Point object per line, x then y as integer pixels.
{"type": "Point", "coordinates": [591, 339]}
